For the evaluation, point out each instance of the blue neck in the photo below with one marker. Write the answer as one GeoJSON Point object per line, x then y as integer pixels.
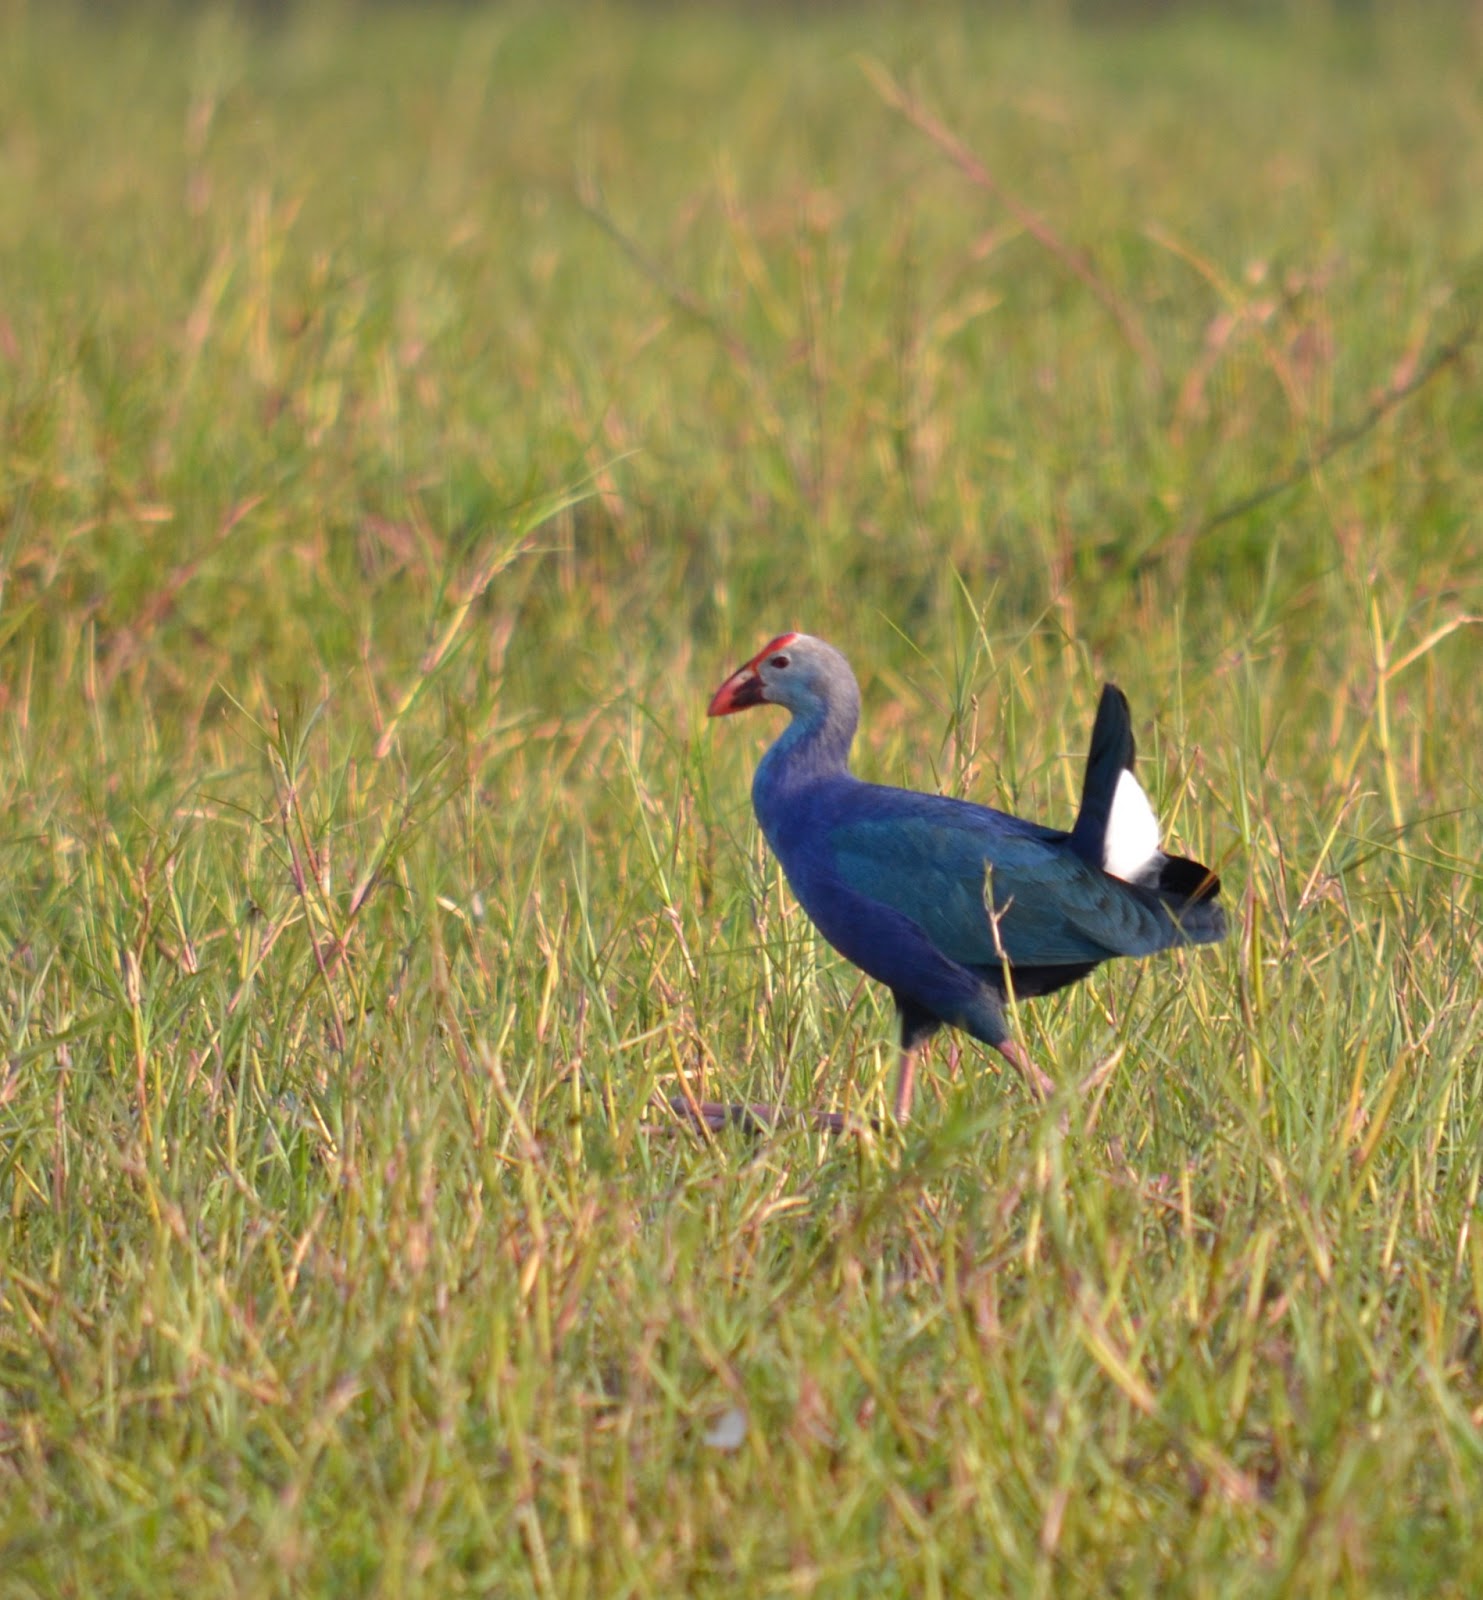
{"type": "Point", "coordinates": [814, 746]}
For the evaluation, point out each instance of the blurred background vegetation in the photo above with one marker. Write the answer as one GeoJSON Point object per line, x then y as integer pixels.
{"type": "Point", "coordinates": [407, 415]}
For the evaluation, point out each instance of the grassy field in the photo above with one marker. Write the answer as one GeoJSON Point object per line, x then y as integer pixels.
{"type": "Point", "coordinates": [408, 418]}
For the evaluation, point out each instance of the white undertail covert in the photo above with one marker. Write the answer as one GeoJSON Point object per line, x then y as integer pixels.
{"type": "Point", "coordinates": [1130, 848]}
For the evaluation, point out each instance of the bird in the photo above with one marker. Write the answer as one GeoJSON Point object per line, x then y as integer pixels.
{"type": "Point", "coordinates": [955, 907]}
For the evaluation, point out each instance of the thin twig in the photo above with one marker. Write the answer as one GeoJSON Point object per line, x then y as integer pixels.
{"type": "Point", "coordinates": [1073, 260]}
{"type": "Point", "coordinates": [675, 292]}
{"type": "Point", "coordinates": [690, 305]}
{"type": "Point", "coordinates": [1352, 433]}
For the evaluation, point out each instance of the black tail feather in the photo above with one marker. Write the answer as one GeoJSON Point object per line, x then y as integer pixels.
{"type": "Point", "coordinates": [1190, 892]}
{"type": "Point", "coordinates": [1188, 889]}
{"type": "Point", "coordinates": [1112, 751]}
{"type": "Point", "coordinates": [1181, 878]}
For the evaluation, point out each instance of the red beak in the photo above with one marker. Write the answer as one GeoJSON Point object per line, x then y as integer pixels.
{"type": "Point", "coordinates": [742, 689]}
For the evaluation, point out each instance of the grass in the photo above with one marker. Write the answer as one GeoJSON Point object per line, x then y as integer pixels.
{"type": "Point", "coordinates": [408, 417]}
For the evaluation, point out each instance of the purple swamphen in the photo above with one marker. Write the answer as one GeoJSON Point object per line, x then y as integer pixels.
{"type": "Point", "coordinates": [953, 906]}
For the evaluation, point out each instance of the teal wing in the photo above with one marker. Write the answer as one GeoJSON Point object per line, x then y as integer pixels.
{"type": "Point", "coordinates": [1052, 907]}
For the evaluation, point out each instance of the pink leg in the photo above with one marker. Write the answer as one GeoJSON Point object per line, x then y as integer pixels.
{"type": "Point", "coordinates": [1036, 1081]}
{"type": "Point", "coordinates": [906, 1077]}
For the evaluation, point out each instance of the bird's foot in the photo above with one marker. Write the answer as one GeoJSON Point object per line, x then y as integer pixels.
{"type": "Point", "coordinates": [1039, 1085]}
{"type": "Point", "coordinates": [716, 1115]}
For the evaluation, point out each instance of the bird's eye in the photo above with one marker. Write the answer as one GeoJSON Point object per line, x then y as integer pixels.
{"type": "Point", "coordinates": [778, 661]}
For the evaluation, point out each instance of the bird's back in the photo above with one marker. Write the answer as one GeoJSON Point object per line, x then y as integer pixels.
{"type": "Point", "coordinates": [943, 863]}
